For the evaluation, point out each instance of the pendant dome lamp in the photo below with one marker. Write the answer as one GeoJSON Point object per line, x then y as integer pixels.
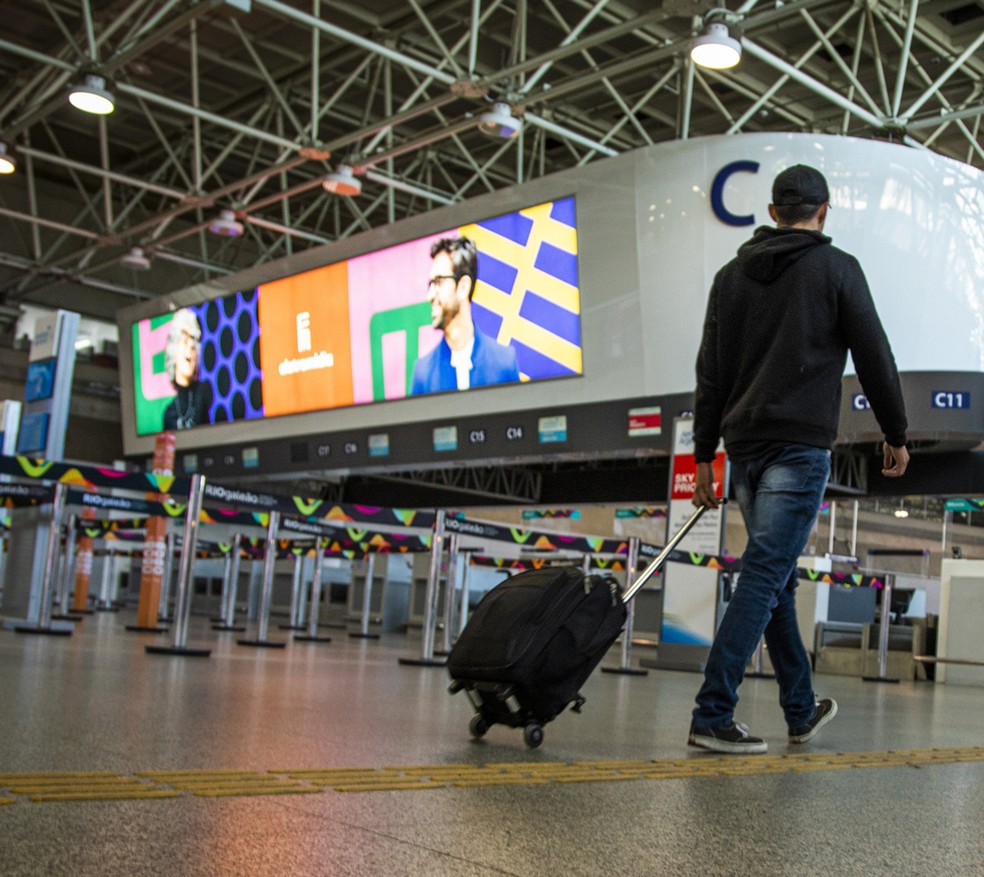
{"type": "Point", "coordinates": [715, 48]}
{"type": "Point", "coordinates": [92, 96]}
{"type": "Point", "coordinates": [8, 163]}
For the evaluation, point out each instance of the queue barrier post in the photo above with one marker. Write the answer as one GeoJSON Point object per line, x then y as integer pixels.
{"type": "Point", "coordinates": [266, 589]}
{"type": "Point", "coordinates": [230, 584]}
{"type": "Point", "coordinates": [104, 602]}
{"type": "Point", "coordinates": [463, 605]}
{"type": "Point", "coordinates": [883, 631]}
{"type": "Point", "coordinates": [224, 592]}
{"type": "Point", "coordinates": [300, 621]}
{"type": "Point", "coordinates": [450, 593]}
{"type": "Point", "coordinates": [363, 631]}
{"type": "Point", "coordinates": [182, 600]}
{"type": "Point", "coordinates": [315, 599]}
{"type": "Point", "coordinates": [427, 658]}
{"type": "Point", "coordinates": [625, 667]}
{"type": "Point", "coordinates": [66, 573]}
{"type": "Point", "coordinates": [296, 601]}
{"type": "Point", "coordinates": [48, 571]}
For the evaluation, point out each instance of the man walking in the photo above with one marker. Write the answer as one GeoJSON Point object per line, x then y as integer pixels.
{"type": "Point", "coordinates": [781, 319]}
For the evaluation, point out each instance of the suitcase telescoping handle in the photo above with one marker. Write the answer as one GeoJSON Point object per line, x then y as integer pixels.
{"type": "Point", "coordinates": [660, 559]}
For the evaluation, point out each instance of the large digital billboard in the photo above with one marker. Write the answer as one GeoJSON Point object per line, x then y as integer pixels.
{"type": "Point", "coordinates": [490, 302]}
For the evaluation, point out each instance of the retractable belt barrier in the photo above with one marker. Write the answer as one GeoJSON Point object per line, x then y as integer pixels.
{"type": "Point", "coordinates": [324, 521]}
{"type": "Point", "coordinates": [320, 518]}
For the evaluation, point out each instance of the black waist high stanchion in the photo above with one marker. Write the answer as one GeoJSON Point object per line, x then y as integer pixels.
{"type": "Point", "coordinates": [182, 599]}
{"type": "Point", "coordinates": [230, 584]}
{"type": "Point", "coordinates": [625, 667]}
{"type": "Point", "coordinates": [48, 574]}
{"type": "Point", "coordinates": [363, 631]}
{"type": "Point", "coordinates": [315, 599]}
{"type": "Point", "coordinates": [266, 590]}
{"type": "Point", "coordinates": [426, 658]}
{"type": "Point", "coordinates": [883, 631]}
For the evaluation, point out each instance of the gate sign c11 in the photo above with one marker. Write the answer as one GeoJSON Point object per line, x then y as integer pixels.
{"type": "Point", "coordinates": [951, 399]}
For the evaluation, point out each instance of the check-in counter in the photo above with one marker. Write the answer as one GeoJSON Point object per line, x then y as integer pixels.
{"type": "Point", "coordinates": [960, 639]}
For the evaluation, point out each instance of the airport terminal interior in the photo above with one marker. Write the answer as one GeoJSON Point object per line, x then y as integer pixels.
{"type": "Point", "coordinates": [227, 603]}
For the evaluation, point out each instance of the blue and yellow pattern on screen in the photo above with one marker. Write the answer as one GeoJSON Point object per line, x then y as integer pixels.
{"type": "Point", "coordinates": [527, 293]}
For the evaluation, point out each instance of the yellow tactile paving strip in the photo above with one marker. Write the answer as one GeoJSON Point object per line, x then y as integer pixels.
{"type": "Point", "coordinates": [153, 784]}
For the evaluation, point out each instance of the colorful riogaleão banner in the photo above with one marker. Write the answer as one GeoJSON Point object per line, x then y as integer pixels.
{"type": "Point", "coordinates": [371, 328]}
{"type": "Point", "coordinates": [521, 565]}
{"type": "Point", "coordinates": [89, 477]}
{"type": "Point", "coordinates": [733, 564]}
{"type": "Point", "coordinates": [92, 476]}
{"type": "Point", "coordinates": [641, 513]}
{"type": "Point", "coordinates": [353, 544]}
{"type": "Point", "coordinates": [540, 540]}
{"type": "Point", "coordinates": [14, 496]}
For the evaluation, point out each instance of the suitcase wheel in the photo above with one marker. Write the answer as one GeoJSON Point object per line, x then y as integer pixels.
{"type": "Point", "coordinates": [478, 726]}
{"type": "Point", "coordinates": [533, 735]}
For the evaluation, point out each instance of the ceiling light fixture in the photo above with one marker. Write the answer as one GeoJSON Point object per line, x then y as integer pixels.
{"type": "Point", "coordinates": [715, 48]}
{"type": "Point", "coordinates": [499, 121]}
{"type": "Point", "coordinates": [226, 224]}
{"type": "Point", "coordinates": [343, 182]}
{"type": "Point", "coordinates": [8, 164]}
{"type": "Point", "coordinates": [92, 96]}
{"type": "Point", "coordinates": [135, 260]}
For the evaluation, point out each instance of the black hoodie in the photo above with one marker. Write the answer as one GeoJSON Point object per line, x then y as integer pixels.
{"type": "Point", "coordinates": [781, 319]}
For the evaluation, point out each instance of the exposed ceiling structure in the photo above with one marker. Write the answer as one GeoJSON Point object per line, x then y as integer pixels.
{"type": "Point", "coordinates": [247, 109]}
{"type": "Point", "coordinates": [247, 105]}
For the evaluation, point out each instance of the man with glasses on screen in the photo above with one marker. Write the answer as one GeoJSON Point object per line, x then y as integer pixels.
{"type": "Point", "coordinates": [465, 357]}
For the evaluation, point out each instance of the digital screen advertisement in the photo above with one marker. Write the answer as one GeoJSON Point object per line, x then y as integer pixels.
{"type": "Point", "coordinates": [40, 381]}
{"type": "Point", "coordinates": [490, 302]}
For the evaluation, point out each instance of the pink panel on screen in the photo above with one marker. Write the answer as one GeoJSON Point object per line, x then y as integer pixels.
{"type": "Point", "coordinates": [394, 362]}
{"type": "Point", "coordinates": [380, 281]}
{"type": "Point", "coordinates": [153, 385]}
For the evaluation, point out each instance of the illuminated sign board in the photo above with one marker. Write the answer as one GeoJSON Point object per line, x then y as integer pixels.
{"type": "Point", "coordinates": [396, 322]}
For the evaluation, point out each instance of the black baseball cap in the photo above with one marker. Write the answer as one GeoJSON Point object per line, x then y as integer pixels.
{"type": "Point", "coordinates": [800, 184]}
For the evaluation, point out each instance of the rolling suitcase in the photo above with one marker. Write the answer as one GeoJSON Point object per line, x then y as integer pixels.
{"type": "Point", "coordinates": [535, 638]}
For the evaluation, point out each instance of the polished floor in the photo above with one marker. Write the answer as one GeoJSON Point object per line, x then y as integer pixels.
{"type": "Point", "coordinates": [336, 759]}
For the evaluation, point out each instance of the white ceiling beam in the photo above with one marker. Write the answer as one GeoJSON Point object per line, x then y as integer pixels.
{"type": "Point", "coordinates": [347, 36]}
{"type": "Point", "coordinates": [812, 84]}
{"type": "Point", "coordinates": [938, 84]}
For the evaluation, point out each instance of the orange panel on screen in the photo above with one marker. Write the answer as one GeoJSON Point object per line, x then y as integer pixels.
{"type": "Point", "coordinates": [305, 342]}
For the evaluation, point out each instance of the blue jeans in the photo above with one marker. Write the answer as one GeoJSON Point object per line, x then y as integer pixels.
{"type": "Point", "coordinates": [780, 496]}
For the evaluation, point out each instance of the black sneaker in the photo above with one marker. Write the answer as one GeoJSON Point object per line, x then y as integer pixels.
{"type": "Point", "coordinates": [727, 738]}
{"type": "Point", "coordinates": [826, 710]}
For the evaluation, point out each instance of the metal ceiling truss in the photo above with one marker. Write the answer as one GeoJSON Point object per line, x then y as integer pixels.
{"type": "Point", "coordinates": [498, 483]}
{"type": "Point", "coordinates": [848, 471]}
{"type": "Point", "coordinates": [247, 104]}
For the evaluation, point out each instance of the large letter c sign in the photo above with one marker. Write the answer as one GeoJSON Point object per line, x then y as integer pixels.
{"type": "Point", "coordinates": [717, 192]}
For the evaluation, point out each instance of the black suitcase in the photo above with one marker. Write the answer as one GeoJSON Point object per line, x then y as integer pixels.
{"type": "Point", "coordinates": [535, 638]}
